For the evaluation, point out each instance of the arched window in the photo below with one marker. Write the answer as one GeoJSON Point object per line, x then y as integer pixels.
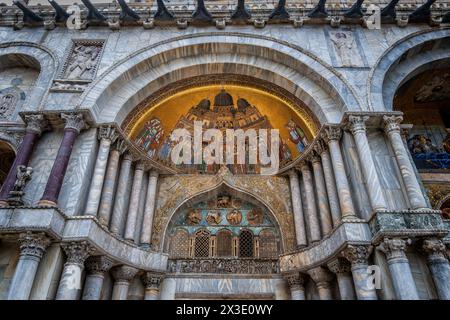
{"type": "Point", "coordinates": [179, 244]}
{"type": "Point", "coordinates": [267, 244]}
{"type": "Point", "coordinates": [246, 244]}
{"type": "Point", "coordinates": [224, 242]}
{"type": "Point", "coordinates": [202, 243]}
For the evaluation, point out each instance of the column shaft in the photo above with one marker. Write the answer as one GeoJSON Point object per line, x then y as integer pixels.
{"type": "Point", "coordinates": [119, 211]}
{"type": "Point", "coordinates": [330, 183]}
{"type": "Point", "coordinates": [311, 209]}
{"type": "Point", "coordinates": [132, 216]}
{"type": "Point", "coordinates": [322, 198]}
{"type": "Point", "coordinates": [93, 286]}
{"type": "Point", "coordinates": [439, 266]}
{"type": "Point", "coordinates": [345, 283]}
{"type": "Point", "coordinates": [149, 209]}
{"type": "Point", "coordinates": [296, 198]}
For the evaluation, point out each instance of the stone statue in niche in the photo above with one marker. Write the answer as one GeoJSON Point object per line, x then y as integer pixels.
{"type": "Point", "coordinates": [82, 62]}
{"type": "Point", "coordinates": [214, 218]}
{"type": "Point", "coordinates": [234, 217]}
{"type": "Point", "coordinates": [22, 177]}
{"type": "Point", "coordinates": [9, 97]}
{"type": "Point", "coordinates": [347, 51]}
{"type": "Point", "coordinates": [194, 217]}
{"type": "Point", "coordinates": [255, 217]}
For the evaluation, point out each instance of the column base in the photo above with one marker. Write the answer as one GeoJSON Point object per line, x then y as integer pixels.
{"type": "Point", "coordinates": [48, 203]}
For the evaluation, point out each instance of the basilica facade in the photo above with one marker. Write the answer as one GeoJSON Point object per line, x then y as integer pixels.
{"type": "Point", "coordinates": [93, 207]}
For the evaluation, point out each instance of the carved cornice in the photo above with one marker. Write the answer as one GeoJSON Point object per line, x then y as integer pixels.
{"type": "Point", "coordinates": [35, 123]}
{"type": "Point", "coordinates": [394, 248]}
{"type": "Point", "coordinates": [77, 252]}
{"type": "Point", "coordinates": [152, 280]}
{"type": "Point", "coordinates": [339, 265]}
{"type": "Point", "coordinates": [124, 273]}
{"type": "Point", "coordinates": [98, 265]}
{"type": "Point", "coordinates": [224, 265]}
{"type": "Point", "coordinates": [33, 244]}
{"type": "Point", "coordinates": [73, 121]}
{"type": "Point", "coordinates": [392, 123]}
{"type": "Point", "coordinates": [357, 254]}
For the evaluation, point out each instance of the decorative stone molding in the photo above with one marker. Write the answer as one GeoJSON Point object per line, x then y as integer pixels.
{"type": "Point", "coordinates": [13, 137]}
{"type": "Point", "coordinates": [152, 280]}
{"type": "Point", "coordinates": [339, 265]}
{"type": "Point", "coordinates": [35, 123]}
{"type": "Point", "coordinates": [295, 280]}
{"type": "Point", "coordinates": [392, 123]}
{"type": "Point", "coordinates": [435, 250]}
{"type": "Point", "coordinates": [357, 254]}
{"type": "Point", "coordinates": [357, 123]}
{"type": "Point", "coordinates": [394, 248]}
{"type": "Point", "coordinates": [98, 265]}
{"type": "Point", "coordinates": [77, 252]}
{"type": "Point", "coordinates": [224, 266]}
{"type": "Point", "coordinates": [124, 273]}
{"type": "Point", "coordinates": [33, 244]}
{"type": "Point", "coordinates": [108, 133]}
{"type": "Point", "coordinates": [73, 121]}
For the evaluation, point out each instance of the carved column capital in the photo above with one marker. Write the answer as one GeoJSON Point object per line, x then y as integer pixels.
{"type": "Point", "coordinates": [33, 244]}
{"type": "Point", "coordinates": [339, 265]}
{"type": "Point", "coordinates": [320, 147]}
{"type": "Point", "coordinates": [357, 254]}
{"type": "Point", "coordinates": [98, 265]}
{"type": "Point", "coordinates": [36, 123]}
{"type": "Point", "coordinates": [124, 273]}
{"type": "Point", "coordinates": [140, 165]}
{"type": "Point", "coordinates": [120, 146]}
{"type": "Point", "coordinates": [73, 121]}
{"type": "Point", "coordinates": [304, 165]}
{"type": "Point", "coordinates": [332, 134]}
{"type": "Point", "coordinates": [435, 249]}
{"type": "Point", "coordinates": [152, 280]}
{"type": "Point", "coordinates": [392, 123]}
{"type": "Point", "coordinates": [320, 276]}
{"type": "Point", "coordinates": [394, 248]}
{"type": "Point", "coordinates": [153, 173]}
{"type": "Point", "coordinates": [295, 280]}
{"type": "Point", "coordinates": [357, 124]}
{"type": "Point", "coordinates": [77, 252]}
{"type": "Point", "coordinates": [108, 133]}
{"type": "Point", "coordinates": [128, 156]}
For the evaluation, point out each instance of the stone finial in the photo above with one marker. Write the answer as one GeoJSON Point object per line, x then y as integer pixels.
{"type": "Point", "coordinates": [320, 276]}
{"type": "Point", "coordinates": [394, 248]}
{"type": "Point", "coordinates": [392, 123]}
{"type": "Point", "coordinates": [33, 244]}
{"type": "Point", "coordinates": [124, 273]}
{"type": "Point", "coordinates": [108, 132]}
{"type": "Point", "coordinates": [357, 123]}
{"type": "Point", "coordinates": [73, 121]}
{"type": "Point", "coordinates": [434, 248]}
{"type": "Point", "coordinates": [332, 133]}
{"type": "Point", "coordinates": [98, 264]}
{"type": "Point", "coordinates": [339, 265]}
{"type": "Point", "coordinates": [152, 280]}
{"type": "Point", "coordinates": [295, 280]}
{"type": "Point", "coordinates": [77, 252]}
{"type": "Point", "coordinates": [357, 254]}
{"type": "Point", "coordinates": [35, 123]}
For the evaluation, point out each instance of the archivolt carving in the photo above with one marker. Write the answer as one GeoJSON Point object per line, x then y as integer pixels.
{"type": "Point", "coordinates": [270, 190]}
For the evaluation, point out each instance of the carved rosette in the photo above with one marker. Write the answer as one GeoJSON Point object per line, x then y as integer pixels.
{"type": "Point", "coordinates": [36, 123]}
{"type": "Point", "coordinates": [77, 252]}
{"type": "Point", "coordinates": [394, 248]}
{"type": "Point", "coordinates": [357, 254]}
{"type": "Point", "coordinates": [321, 277]}
{"type": "Point", "coordinates": [332, 134]}
{"type": "Point", "coordinates": [339, 265]}
{"type": "Point", "coordinates": [98, 265]}
{"type": "Point", "coordinates": [73, 121]}
{"type": "Point", "coordinates": [152, 280]}
{"type": "Point", "coordinates": [392, 123]}
{"type": "Point", "coordinates": [108, 133]}
{"type": "Point", "coordinates": [33, 244]}
{"type": "Point", "coordinates": [295, 280]}
{"type": "Point", "coordinates": [435, 250]}
{"type": "Point", "coordinates": [124, 273]}
{"type": "Point", "coordinates": [357, 124]}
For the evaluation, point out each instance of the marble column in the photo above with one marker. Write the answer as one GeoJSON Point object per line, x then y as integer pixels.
{"type": "Point", "coordinates": [415, 195]}
{"type": "Point", "coordinates": [122, 276]}
{"type": "Point", "coordinates": [32, 248]}
{"type": "Point", "coordinates": [296, 281]}
{"type": "Point", "coordinates": [358, 256]}
{"type": "Point", "coordinates": [74, 124]}
{"type": "Point", "coordinates": [311, 209]}
{"type": "Point", "coordinates": [299, 220]}
{"type": "Point", "coordinates": [322, 198]}
{"type": "Point", "coordinates": [107, 136]}
{"type": "Point", "coordinates": [322, 278]}
{"type": "Point", "coordinates": [133, 207]}
{"type": "Point", "coordinates": [374, 189]}
{"type": "Point", "coordinates": [70, 283]}
{"type": "Point", "coordinates": [168, 289]}
{"type": "Point", "coordinates": [330, 183]}
{"type": "Point", "coordinates": [107, 198]}
{"type": "Point", "coordinates": [152, 282]}
{"type": "Point", "coordinates": [96, 268]}
{"type": "Point", "coordinates": [149, 210]}
{"type": "Point", "coordinates": [119, 211]}
{"type": "Point", "coordinates": [341, 268]}
{"type": "Point", "coordinates": [34, 125]}
{"type": "Point", "coordinates": [332, 135]}
{"type": "Point", "coordinates": [402, 279]}
{"type": "Point", "coordinates": [439, 266]}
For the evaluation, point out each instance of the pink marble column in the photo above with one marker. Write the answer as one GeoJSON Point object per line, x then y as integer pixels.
{"type": "Point", "coordinates": [74, 124]}
{"type": "Point", "coordinates": [35, 125]}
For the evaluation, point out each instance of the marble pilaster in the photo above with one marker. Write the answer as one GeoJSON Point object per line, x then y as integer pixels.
{"type": "Point", "coordinates": [70, 283]}
{"type": "Point", "coordinates": [122, 276]}
{"type": "Point", "coordinates": [152, 282]}
{"type": "Point", "coordinates": [404, 285]}
{"type": "Point", "coordinates": [374, 189]}
{"type": "Point", "coordinates": [133, 207]}
{"type": "Point", "coordinates": [342, 269]}
{"type": "Point", "coordinates": [322, 278]}
{"type": "Point", "coordinates": [415, 195]}
{"type": "Point", "coordinates": [311, 208]}
{"type": "Point", "coordinates": [299, 219]}
{"type": "Point", "coordinates": [322, 198]}
{"type": "Point", "coordinates": [149, 210]}
{"type": "Point", "coordinates": [32, 248]}
{"type": "Point", "coordinates": [439, 266]}
{"type": "Point", "coordinates": [96, 268]}
{"type": "Point", "coordinates": [296, 282]}
{"type": "Point", "coordinates": [107, 136]}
